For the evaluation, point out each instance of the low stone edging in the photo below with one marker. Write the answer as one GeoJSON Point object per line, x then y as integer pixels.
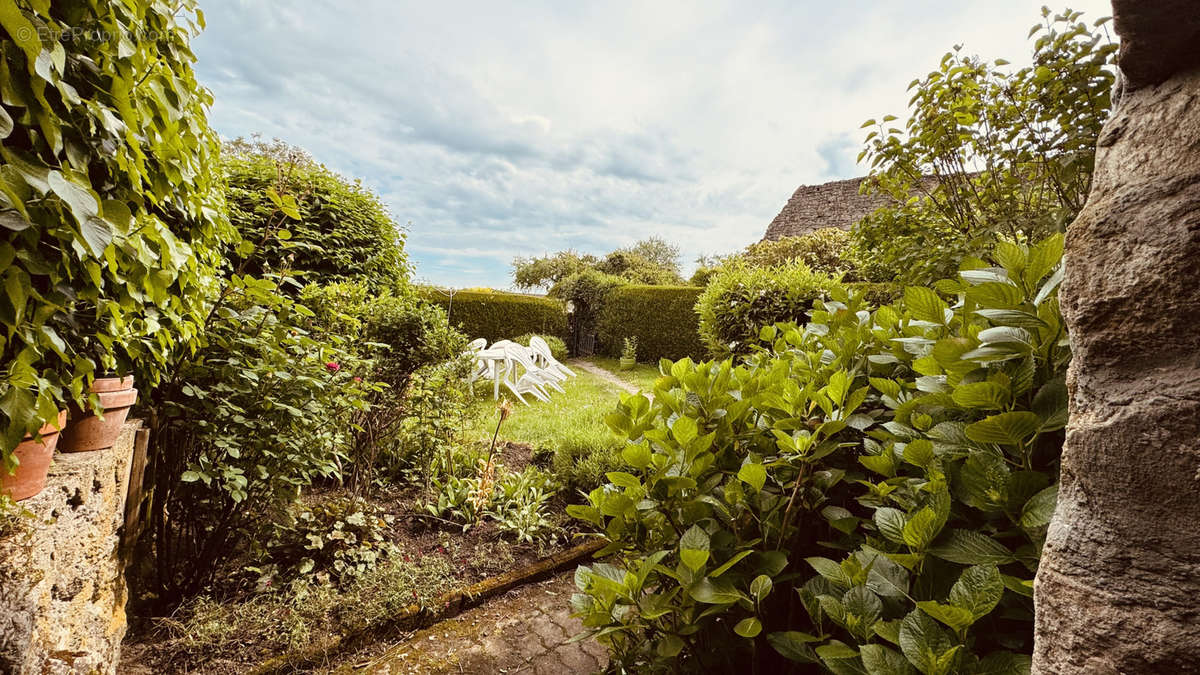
{"type": "Point", "coordinates": [416, 616]}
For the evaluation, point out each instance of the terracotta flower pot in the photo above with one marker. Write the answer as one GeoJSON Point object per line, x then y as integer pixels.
{"type": "Point", "coordinates": [34, 457]}
{"type": "Point", "coordinates": [86, 430]}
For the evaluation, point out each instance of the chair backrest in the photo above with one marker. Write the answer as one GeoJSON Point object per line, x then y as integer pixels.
{"type": "Point", "coordinates": [539, 345]}
{"type": "Point", "coordinates": [477, 344]}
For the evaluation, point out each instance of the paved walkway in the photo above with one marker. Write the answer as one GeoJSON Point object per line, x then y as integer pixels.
{"type": "Point", "coordinates": [603, 374]}
{"type": "Point", "coordinates": [523, 631]}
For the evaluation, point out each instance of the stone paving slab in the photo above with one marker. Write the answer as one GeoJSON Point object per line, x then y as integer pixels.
{"type": "Point", "coordinates": [523, 631]}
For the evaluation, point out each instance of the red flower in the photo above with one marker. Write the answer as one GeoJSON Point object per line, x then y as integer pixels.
{"type": "Point", "coordinates": [357, 378]}
{"type": "Point", "coordinates": [333, 366]}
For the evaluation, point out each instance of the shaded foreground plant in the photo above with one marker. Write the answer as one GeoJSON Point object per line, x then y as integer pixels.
{"type": "Point", "coordinates": [869, 492]}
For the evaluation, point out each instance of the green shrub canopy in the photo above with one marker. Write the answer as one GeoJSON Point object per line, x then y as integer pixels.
{"type": "Point", "coordinates": [662, 318]}
{"type": "Point", "coordinates": [500, 316]}
{"type": "Point", "coordinates": [344, 232]}
{"type": "Point", "coordinates": [110, 220]}
{"type": "Point", "coordinates": [742, 299]}
{"type": "Point", "coordinates": [869, 493]}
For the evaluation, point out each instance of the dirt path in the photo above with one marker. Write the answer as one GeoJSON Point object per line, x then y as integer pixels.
{"type": "Point", "coordinates": [523, 631]}
{"type": "Point", "coordinates": [603, 374]}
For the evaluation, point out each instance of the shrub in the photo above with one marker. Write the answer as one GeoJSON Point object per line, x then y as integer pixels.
{"type": "Point", "coordinates": [333, 540]}
{"type": "Point", "coordinates": [110, 216]}
{"type": "Point", "coordinates": [558, 348]}
{"type": "Point", "coordinates": [987, 151]}
{"type": "Point", "coordinates": [740, 300]}
{"type": "Point", "coordinates": [823, 250]}
{"type": "Point", "coordinates": [877, 294]}
{"type": "Point", "coordinates": [343, 233]}
{"type": "Point", "coordinates": [869, 493]}
{"type": "Point", "coordinates": [498, 316]}
{"type": "Point", "coordinates": [661, 318]}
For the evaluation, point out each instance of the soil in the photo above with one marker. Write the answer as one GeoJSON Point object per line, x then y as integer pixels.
{"type": "Point", "coordinates": [474, 555]}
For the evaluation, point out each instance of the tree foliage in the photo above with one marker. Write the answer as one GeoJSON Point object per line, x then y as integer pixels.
{"type": "Point", "coordinates": [650, 261]}
{"type": "Point", "coordinates": [110, 220]}
{"type": "Point", "coordinates": [987, 151]}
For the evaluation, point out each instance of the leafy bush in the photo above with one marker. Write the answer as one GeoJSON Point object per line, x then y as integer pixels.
{"type": "Point", "coordinates": [558, 348]}
{"type": "Point", "coordinates": [649, 261]}
{"type": "Point", "coordinates": [587, 292]}
{"type": "Point", "coordinates": [742, 299]}
{"type": "Point", "coordinates": [1011, 152]}
{"type": "Point", "coordinates": [343, 233]}
{"type": "Point", "coordinates": [110, 216]}
{"type": "Point", "coordinates": [515, 501]}
{"type": "Point", "coordinates": [327, 541]}
{"type": "Point", "coordinates": [869, 493]}
{"type": "Point", "coordinates": [662, 318]}
{"type": "Point", "coordinates": [499, 316]}
{"type": "Point", "coordinates": [823, 250]}
{"type": "Point", "coordinates": [877, 293]}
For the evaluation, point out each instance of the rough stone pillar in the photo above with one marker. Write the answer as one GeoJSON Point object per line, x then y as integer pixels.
{"type": "Point", "coordinates": [1118, 590]}
{"type": "Point", "coordinates": [62, 582]}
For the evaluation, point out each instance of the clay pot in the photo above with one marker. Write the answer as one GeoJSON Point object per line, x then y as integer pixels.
{"type": "Point", "coordinates": [86, 430]}
{"type": "Point", "coordinates": [34, 457]}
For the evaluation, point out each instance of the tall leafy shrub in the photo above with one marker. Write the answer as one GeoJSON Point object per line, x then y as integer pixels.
{"type": "Point", "coordinates": [987, 150]}
{"type": "Point", "coordinates": [110, 220]}
{"type": "Point", "coordinates": [869, 493]}
{"type": "Point", "coordinates": [741, 299]}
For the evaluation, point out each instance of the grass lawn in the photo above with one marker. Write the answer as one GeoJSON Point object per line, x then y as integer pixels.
{"type": "Point", "coordinates": [570, 427]}
{"type": "Point", "coordinates": [641, 376]}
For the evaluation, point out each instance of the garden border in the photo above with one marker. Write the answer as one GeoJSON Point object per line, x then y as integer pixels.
{"type": "Point", "coordinates": [415, 616]}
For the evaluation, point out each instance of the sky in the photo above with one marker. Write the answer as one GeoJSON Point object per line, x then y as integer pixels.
{"type": "Point", "coordinates": [497, 130]}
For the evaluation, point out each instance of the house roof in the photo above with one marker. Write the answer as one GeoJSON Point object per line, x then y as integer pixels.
{"type": "Point", "coordinates": [812, 207]}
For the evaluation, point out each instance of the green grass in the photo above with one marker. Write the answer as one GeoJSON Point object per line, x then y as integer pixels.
{"type": "Point", "coordinates": [570, 426]}
{"type": "Point", "coordinates": [641, 376]}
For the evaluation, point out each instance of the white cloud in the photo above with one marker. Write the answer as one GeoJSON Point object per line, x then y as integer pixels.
{"type": "Point", "coordinates": [499, 129]}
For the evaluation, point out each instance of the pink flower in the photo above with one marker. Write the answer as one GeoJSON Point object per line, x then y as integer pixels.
{"type": "Point", "coordinates": [357, 378]}
{"type": "Point", "coordinates": [333, 366]}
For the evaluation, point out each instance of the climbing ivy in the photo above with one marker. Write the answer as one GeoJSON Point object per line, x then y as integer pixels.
{"type": "Point", "coordinates": [109, 217]}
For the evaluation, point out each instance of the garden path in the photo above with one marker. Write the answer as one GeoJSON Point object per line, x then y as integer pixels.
{"type": "Point", "coordinates": [603, 374]}
{"type": "Point", "coordinates": [523, 631]}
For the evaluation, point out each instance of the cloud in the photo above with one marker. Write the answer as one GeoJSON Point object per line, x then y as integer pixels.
{"type": "Point", "coordinates": [498, 130]}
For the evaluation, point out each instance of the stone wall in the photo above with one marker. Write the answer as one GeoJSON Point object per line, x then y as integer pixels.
{"type": "Point", "coordinates": [62, 583]}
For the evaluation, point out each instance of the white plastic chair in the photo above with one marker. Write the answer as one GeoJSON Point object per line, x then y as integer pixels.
{"type": "Point", "coordinates": [545, 357]}
{"type": "Point", "coordinates": [533, 379]}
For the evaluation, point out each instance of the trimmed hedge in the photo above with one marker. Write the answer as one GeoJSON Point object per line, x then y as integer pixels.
{"type": "Point", "coordinates": [879, 293]}
{"type": "Point", "coordinates": [501, 316]}
{"type": "Point", "coordinates": [663, 318]}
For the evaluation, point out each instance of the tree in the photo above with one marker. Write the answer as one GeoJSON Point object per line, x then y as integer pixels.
{"type": "Point", "coordinates": [988, 152]}
{"type": "Point", "coordinates": [650, 261]}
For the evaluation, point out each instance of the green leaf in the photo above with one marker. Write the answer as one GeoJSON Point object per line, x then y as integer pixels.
{"type": "Point", "coordinates": [729, 563]}
{"type": "Point", "coordinates": [890, 522]}
{"type": "Point", "coordinates": [1038, 511]}
{"type": "Point", "coordinates": [978, 590]}
{"type": "Point", "coordinates": [97, 234]}
{"type": "Point", "coordinates": [879, 660]}
{"type": "Point", "coordinates": [1004, 663]}
{"type": "Point", "coordinates": [968, 547]}
{"type": "Point", "coordinates": [753, 475]}
{"type": "Point", "coordinates": [684, 430]}
{"type": "Point", "coordinates": [829, 570]}
{"type": "Point", "coordinates": [995, 295]}
{"type": "Point", "coordinates": [694, 547]}
{"type": "Point", "coordinates": [748, 627]}
{"type": "Point", "coordinates": [636, 455]}
{"type": "Point", "coordinates": [670, 645]}
{"type": "Point", "coordinates": [793, 645]}
{"type": "Point", "coordinates": [6, 123]}
{"type": "Point", "coordinates": [919, 452]}
{"type": "Point", "coordinates": [921, 528]}
{"type": "Point", "coordinates": [715, 592]}
{"type": "Point", "coordinates": [760, 588]}
{"type": "Point", "coordinates": [836, 650]}
{"type": "Point", "coordinates": [925, 304]}
{"type": "Point", "coordinates": [1010, 428]}
{"type": "Point", "coordinates": [922, 640]}
{"type": "Point", "coordinates": [957, 618]}
{"type": "Point", "coordinates": [82, 204]}
{"type": "Point", "coordinates": [987, 395]}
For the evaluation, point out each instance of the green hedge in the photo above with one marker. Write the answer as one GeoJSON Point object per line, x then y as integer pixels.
{"type": "Point", "coordinates": [501, 316]}
{"type": "Point", "coordinates": [662, 317]}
